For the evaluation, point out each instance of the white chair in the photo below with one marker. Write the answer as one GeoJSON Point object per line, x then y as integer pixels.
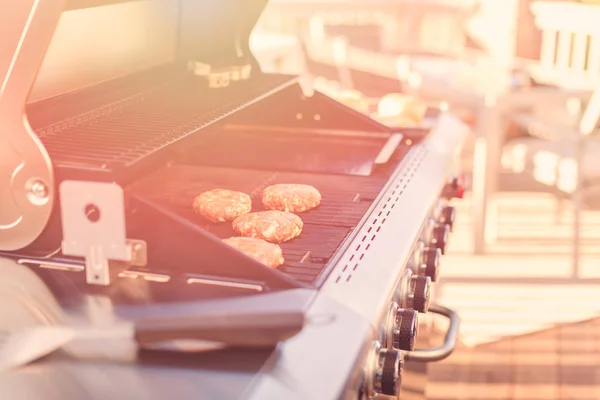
{"type": "Point", "coordinates": [570, 48]}
{"type": "Point", "coordinates": [564, 157]}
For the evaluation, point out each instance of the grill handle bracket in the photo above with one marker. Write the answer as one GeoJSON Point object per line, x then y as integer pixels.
{"type": "Point", "coordinates": [26, 176]}
{"type": "Point", "coordinates": [93, 223]}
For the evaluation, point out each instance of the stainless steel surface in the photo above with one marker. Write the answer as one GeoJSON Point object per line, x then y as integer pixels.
{"type": "Point", "coordinates": [340, 324]}
{"type": "Point", "coordinates": [450, 339]}
{"type": "Point", "coordinates": [142, 34]}
{"type": "Point", "coordinates": [93, 227]}
{"type": "Point", "coordinates": [26, 175]}
{"type": "Point", "coordinates": [389, 148]}
{"type": "Point", "coordinates": [413, 190]}
{"type": "Point", "coordinates": [339, 332]}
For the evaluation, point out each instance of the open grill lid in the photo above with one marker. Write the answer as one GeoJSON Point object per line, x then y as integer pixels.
{"type": "Point", "coordinates": [213, 32]}
{"type": "Point", "coordinates": [28, 29]}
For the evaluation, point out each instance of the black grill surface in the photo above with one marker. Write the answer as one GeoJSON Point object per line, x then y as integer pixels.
{"type": "Point", "coordinates": [345, 200]}
{"type": "Point", "coordinates": [123, 133]}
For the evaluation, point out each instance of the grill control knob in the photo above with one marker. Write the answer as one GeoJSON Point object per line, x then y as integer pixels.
{"type": "Point", "coordinates": [447, 216]}
{"type": "Point", "coordinates": [388, 377]}
{"type": "Point", "coordinates": [383, 372]}
{"type": "Point", "coordinates": [439, 237]}
{"type": "Point", "coordinates": [418, 295]}
{"type": "Point", "coordinates": [430, 262]}
{"type": "Point", "coordinates": [405, 329]}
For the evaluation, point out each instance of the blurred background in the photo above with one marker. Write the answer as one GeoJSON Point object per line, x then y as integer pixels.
{"type": "Point", "coordinates": [523, 267]}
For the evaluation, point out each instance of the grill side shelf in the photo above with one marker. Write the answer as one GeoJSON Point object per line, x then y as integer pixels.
{"type": "Point", "coordinates": [190, 250]}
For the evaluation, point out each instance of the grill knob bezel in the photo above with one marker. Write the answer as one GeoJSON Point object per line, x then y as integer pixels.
{"type": "Point", "coordinates": [405, 329]}
{"type": "Point", "coordinates": [388, 376]}
{"type": "Point", "coordinates": [419, 293]}
{"type": "Point", "coordinates": [439, 237]}
{"type": "Point", "coordinates": [430, 262]}
{"type": "Point", "coordinates": [383, 371]}
{"type": "Point", "coordinates": [448, 216]}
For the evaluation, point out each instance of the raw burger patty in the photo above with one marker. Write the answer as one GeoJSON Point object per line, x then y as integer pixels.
{"type": "Point", "coordinates": [291, 197]}
{"type": "Point", "coordinates": [219, 205]}
{"type": "Point", "coordinates": [264, 252]}
{"type": "Point", "coordinates": [272, 226]}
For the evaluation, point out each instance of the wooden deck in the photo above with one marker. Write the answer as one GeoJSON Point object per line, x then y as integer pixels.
{"type": "Point", "coordinates": [528, 330]}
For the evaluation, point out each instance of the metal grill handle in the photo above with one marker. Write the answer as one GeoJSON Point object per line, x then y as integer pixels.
{"type": "Point", "coordinates": [443, 351]}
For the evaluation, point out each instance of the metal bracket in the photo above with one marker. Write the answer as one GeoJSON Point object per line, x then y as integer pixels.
{"type": "Point", "coordinates": [26, 176]}
{"type": "Point", "coordinates": [93, 223]}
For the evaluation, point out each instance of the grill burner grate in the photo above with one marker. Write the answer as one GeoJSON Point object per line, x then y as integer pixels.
{"type": "Point", "coordinates": [125, 132]}
{"type": "Point", "coordinates": [345, 200]}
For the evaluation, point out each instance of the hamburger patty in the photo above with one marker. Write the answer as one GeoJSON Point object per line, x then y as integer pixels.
{"type": "Point", "coordinates": [219, 205]}
{"type": "Point", "coordinates": [291, 197]}
{"type": "Point", "coordinates": [272, 226]}
{"type": "Point", "coordinates": [262, 251]}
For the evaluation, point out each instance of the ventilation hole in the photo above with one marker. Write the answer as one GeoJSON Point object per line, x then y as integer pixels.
{"type": "Point", "coordinates": [373, 237]}
{"type": "Point", "coordinates": [393, 204]}
{"type": "Point", "coordinates": [369, 231]}
{"type": "Point", "coordinates": [384, 206]}
{"type": "Point", "coordinates": [345, 268]}
{"type": "Point", "coordinates": [388, 214]}
{"type": "Point", "coordinates": [338, 279]}
{"type": "Point", "coordinates": [383, 221]}
{"type": "Point", "coordinates": [361, 257]}
{"type": "Point", "coordinates": [358, 247]}
{"type": "Point", "coordinates": [374, 221]}
{"type": "Point", "coordinates": [379, 215]}
{"type": "Point", "coordinates": [92, 212]}
{"type": "Point", "coordinates": [348, 278]}
{"type": "Point", "coordinates": [368, 245]}
{"type": "Point", "coordinates": [378, 229]}
{"type": "Point", "coordinates": [351, 257]}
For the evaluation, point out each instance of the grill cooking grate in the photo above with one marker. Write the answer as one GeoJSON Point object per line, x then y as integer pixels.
{"type": "Point", "coordinates": [345, 199]}
{"type": "Point", "coordinates": [124, 133]}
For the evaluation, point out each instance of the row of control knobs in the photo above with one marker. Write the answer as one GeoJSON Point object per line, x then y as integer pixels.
{"type": "Point", "coordinates": [403, 323]}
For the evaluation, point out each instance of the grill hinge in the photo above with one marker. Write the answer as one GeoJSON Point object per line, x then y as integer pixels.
{"type": "Point", "coordinates": [93, 224]}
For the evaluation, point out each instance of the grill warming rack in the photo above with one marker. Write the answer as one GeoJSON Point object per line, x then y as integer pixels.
{"type": "Point", "coordinates": [107, 142]}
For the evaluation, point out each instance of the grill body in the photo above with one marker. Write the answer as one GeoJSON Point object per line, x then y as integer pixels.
{"type": "Point", "coordinates": [126, 113]}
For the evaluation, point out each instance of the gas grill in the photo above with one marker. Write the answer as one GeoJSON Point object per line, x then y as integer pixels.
{"type": "Point", "coordinates": [104, 148]}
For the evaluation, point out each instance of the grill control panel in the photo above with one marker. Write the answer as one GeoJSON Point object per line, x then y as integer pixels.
{"type": "Point", "coordinates": [399, 329]}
